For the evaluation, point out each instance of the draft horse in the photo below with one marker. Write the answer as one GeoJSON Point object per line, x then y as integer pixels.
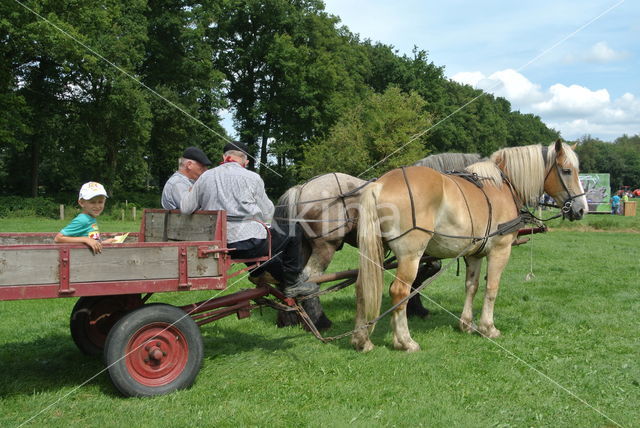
{"type": "Point", "coordinates": [416, 210]}
{"type": "Point", "coordinates": [327, 207]}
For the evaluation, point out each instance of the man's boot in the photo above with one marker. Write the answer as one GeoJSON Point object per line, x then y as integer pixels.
{"type": "Point", "coordinates": [295, 284]}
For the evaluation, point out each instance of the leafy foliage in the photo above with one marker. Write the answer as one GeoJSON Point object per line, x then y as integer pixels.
{"type": "Point", "coordinates": [114, 91]}
{"type": "Point", "coordinates": [385, 126]}
{"type": "Point", "coordinates": [16, 206]}
{"type": "Point", "coordinates": [621, 159]}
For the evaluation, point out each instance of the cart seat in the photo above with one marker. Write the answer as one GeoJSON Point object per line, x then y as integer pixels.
{"type": "Point", "coordinates": [171, 225]}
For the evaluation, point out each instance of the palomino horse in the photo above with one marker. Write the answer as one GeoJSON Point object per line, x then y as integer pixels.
{"type": "Point", "coordinates": [327, 206]}
{"type": "Point", "coordinates": [417, 210]}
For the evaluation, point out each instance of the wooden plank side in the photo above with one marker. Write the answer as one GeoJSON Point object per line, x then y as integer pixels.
{"type": "Point", "coordinates": [200, 267]}
{"type": "Point", "coordinates": [47, 238]}
{"type": "Point", "coordinates": [28, 267]}
{"type": "Point", "coordinates": [124, 264]}
{"type": "Point", "coordinates": [26, 239]}
{"type": "Point", "coordinates": [154, 226]}
{"type": "Point", "coordinates": [197, 227]}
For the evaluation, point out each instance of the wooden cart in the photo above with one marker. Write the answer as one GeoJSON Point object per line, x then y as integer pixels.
{"type": "Point", "coordinates": [149, 349]}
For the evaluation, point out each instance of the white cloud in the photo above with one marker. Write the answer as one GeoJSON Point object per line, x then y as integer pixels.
{"type": "Point", "coordinates": [602, 53]}
{"type": "Point", "coordinates": [470, 78]}
{"type": "Point", "coordinates": [573, 110]}
{"type": "Point", "coordinates": [513, 86]}
{"type": "Point", "coordinates": [599, 53]}
{"type": "Point", "coordinates": [508, 83]}
{"type": "Point", "coordinates": [572, 100]}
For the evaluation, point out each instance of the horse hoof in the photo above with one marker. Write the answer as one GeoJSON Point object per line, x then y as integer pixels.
{"type": "Point", "coordinates": [323, 323]}
{"type": "Point", "coordinates": [363, 347]}
{"type": "Point", "coordinates": [411, 346]}
{"type": "Point", "coordinates": [287, 319]}
{"type": "Point", "coordinates": [490, 332]}
{"type": "Point", "coordinates": [468, 327]}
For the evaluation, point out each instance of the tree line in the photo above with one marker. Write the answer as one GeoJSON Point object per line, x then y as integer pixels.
{"type": "Point", "coordinates": [114, 90]}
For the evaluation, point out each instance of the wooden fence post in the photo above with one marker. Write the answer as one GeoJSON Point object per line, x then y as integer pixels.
{"type": "Point", "coordinates": [122, 214]}
{"type": "Point", "coordinates": [133, 212]}
{"type": "Point", "coordinates": [61, 212]}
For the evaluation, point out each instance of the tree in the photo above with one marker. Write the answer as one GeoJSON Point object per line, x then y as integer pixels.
{"type": "Point", "coordinates": [79, 106]}
{"type": "Point", "coordinates": [290, 73]}
{"type": "Point", "coordinates": [382, 128]}
{"type": "Point", "coordinates": [177, 65]}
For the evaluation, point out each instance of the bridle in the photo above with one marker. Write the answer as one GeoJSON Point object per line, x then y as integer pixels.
{"type": "Point", "coordinates": [568, 203]}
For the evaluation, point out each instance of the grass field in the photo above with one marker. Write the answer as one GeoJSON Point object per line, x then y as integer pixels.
{"type": "Point", "coordinates": [568, 356]}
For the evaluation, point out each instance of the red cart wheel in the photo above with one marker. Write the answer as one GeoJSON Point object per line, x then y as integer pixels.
{"type": "Point", "coordinates": [153, 350]}
{"type": "Point", "coordinates": [93, 317]}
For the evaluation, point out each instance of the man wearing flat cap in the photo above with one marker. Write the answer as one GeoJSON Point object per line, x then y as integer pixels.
{"type": "Point", "coordinates": [190, 166]}
{"type": "Point", "coordinates": [240, 192]}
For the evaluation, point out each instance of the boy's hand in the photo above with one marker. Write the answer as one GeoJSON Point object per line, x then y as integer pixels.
{"type": "Point", "coordinates": [96, 246]}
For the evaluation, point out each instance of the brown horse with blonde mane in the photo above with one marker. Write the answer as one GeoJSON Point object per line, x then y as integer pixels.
{"type": "Point", "coordinates": [327, 208]}
{"type": "Point", "coordinates": [415, 210]}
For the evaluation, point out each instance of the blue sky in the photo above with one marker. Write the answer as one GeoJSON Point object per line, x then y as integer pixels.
{"type": "Point", "coordinates": [574, 63]}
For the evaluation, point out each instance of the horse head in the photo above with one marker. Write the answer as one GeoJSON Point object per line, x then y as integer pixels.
{"type": "Point", "coordinates": [561, 181]}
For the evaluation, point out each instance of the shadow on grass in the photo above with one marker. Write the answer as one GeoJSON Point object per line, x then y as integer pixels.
{"type": "Point", "coordinates": [340, 308]}
{"type": "Point", "coordinates": [230, 341]}
{"type": "Point", "coordinates": [47, 364]}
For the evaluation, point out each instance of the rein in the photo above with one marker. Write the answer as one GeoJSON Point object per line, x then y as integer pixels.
{"type": "Point", "coordinates": [350, 193]}
{"type": "Point", "coordinates": [502, 228]}
{"type": "Point", "coordinates": [341, 196]}
{"type": "Point", "coordinates": [307, 320]}
{"type": "Point", "coordinates": [568, 203]}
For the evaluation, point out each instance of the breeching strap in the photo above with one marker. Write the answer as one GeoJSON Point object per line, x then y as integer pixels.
{"type": "Point", "coordinates": [307, 320]}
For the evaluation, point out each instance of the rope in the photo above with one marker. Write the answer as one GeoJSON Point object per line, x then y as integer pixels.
{"type": "Point", "coordinates": [316, 333]}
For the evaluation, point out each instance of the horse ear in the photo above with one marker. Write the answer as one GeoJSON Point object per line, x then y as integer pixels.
{"type": "Point", "coordinates": [573, 147]}
{"type": "Point", "coordinates": [498, 159]}
{"type": "Point", "coordinates": [558, 146]}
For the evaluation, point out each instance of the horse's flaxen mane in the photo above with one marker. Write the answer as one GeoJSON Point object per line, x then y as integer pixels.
{"type": "Point", "coordinates": [486, 170]}
{"type": "Point", "coordinates": [525, 168]}
{"type": "Point", "coordinates": [449, 161]}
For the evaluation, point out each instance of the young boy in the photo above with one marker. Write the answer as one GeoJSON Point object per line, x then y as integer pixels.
{"type": "Point", "coordinates": [84, 228]}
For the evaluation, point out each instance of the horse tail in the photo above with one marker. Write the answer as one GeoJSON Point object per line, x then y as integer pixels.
{"type": "Point", "coordinates": [287, 205]}
{"type": "Point", "coordinates": [370, 282]}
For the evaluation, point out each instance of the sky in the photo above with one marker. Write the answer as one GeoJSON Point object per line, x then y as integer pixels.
{"type": "Point", "coordinates": [574, 63]}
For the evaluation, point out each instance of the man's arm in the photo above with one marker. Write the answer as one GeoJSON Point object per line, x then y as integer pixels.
{"type": "Point", "coordinates": [95, 246]}
{"type": "Point", "coordinates": [189, 202]}
{"type": "Point", "coordinates": [263, 202]}
{"type": "Point", "coordinates": [172, 196]}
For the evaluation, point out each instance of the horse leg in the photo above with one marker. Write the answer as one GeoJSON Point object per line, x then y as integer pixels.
{"type": "Point", "coordinates": [400, 288]}
{"type": "Point", "coordinates": [425, 271]}
{"type": "Point", "coordinates": [321, 254]}
{"type": "Point", "coordinates": [473, 265]}
{"type": "Point", "coordinates": [496, 262]}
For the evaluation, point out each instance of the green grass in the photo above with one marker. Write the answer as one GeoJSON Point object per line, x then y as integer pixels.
{"type": "Point", "coordinates": [576, 323]}
{"type": "Point", "coordinates": [38, 224]}
{"type": "Point", "coordinates": [596, 222]}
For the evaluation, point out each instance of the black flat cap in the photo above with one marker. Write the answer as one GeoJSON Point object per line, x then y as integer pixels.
{"type": "Point", "coordinates": [237, 146]}
{"type": "Point", "coordinates": [197, 155]}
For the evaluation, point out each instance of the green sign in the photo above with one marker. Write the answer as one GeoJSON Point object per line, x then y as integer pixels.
{"type": "Point", "coordinates": [598, 193]}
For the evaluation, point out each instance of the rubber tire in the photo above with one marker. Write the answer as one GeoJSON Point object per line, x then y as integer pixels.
{"type": "Point", "coordinates": [131, 328]}
{"type": "Point", "coordinates": [90, 338]}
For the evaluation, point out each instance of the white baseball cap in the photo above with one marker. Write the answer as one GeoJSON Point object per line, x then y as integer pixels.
{"type": "Point", "coordinates": [91, 190]}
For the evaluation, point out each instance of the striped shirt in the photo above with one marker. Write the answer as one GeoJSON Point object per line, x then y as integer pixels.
{"type": "Point", "coordinates": [175, 187]}
{"type": "Point", "coordinates": [239, 192]}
